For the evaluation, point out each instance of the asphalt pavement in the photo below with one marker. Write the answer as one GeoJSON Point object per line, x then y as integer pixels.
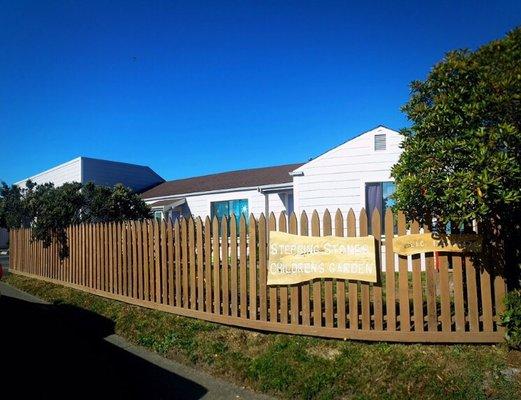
{"type": "Point", "coordinates": [54, 351]}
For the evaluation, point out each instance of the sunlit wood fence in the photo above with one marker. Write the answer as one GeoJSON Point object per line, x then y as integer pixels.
{"type": "Point", "coordinates": [216, 271]}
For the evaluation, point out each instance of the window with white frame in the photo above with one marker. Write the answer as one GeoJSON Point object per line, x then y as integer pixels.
{"type": "Point", "coordinates": [378, 195]}
{"type": "Point", "coordinates": [227, 208]}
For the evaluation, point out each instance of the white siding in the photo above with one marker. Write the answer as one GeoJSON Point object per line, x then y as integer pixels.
{"type": "Point", "coordinates": [101, 172]}
{"type": "Point", "coordinates": [200, 205]}
{"type": "Point", "coordinates": [337, 178]}
{"type": "Point", "coordinates": [66, 172]}
{"type": "Point", "coordinates": [109, 173]}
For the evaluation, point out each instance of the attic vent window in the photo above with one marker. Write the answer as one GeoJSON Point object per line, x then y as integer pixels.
{"type": "Point", "coordinates": [380, 142]}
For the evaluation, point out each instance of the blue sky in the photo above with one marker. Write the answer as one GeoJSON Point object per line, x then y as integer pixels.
{"type": "Point", "coordinates": [191, 88]}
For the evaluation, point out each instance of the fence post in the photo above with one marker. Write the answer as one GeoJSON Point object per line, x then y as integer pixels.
{"type": "Point", "coordinates": [353, 285]}
{"type": "Point", "coordinates": [233, 264]}
{"type": "Point", "coordinates": [263, 256]}
{"type": "Point", "coordinates": [316, 287]}
{"type": "Point", "coordinates": [200, 264]}
{"type": "Point", "coordinates": [403, 281]}
{"type": "Point", "coordinates": [328, 282]}
{"type": "Point", "coordinates": [294, 289]}
{"type": "Point", "coordinates": [253, 266]}
{"type": "Point", "coordinates": [340, 283]}
{"type": "Point", "coordinates": [216, 267]}
{"type": "Point", "coordinates": [365, 293]}
{"type": "Point", "coordinates": [274, 306]}
{"type": "Point", "coordinates": [417, 291]}
{"type": "Point", "coordinates": [224, 267]}
{"type": "Point", "coordinates": [207, 263]}
{"type": "Point", "coordinates": [283, 290]}
{"type": "Point", "coordinates": [304, 287]}
{"type": "Point", "coordinates": [243, 265]}
{"type": "Point", "coordinates": [192, 266]}
{"type": "Point", "coordinates": [377, 286]}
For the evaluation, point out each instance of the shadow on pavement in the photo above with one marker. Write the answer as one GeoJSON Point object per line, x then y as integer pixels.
{"type": "Point", "coordinates": [55, 351]}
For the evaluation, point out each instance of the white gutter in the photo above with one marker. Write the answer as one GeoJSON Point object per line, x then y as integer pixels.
{"type": "Point", "coordinates": [167, 207]}
{"type": "Point", "coordinates": [275, 187]}
{"type": "Point", "coordinates": [296, 173]}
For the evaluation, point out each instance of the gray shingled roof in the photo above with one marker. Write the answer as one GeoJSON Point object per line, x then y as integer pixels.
{"type": "Point", "coordinates": [226, 180]}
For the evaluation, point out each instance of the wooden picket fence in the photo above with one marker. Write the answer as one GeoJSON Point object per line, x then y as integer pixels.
{"type": "Point", "coordinates": [216, 271]}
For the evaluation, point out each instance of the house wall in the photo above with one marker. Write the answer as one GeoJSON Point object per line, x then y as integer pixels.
{"type": "Point", "coordinates": [66, 172]}
{"type": "Point", "coordinates": [109, 173]}
{"type": "Point", "coordinates": [336, 179]}
{"type": "Point", "coordinates": [200, 205]}
{"type": "Point", "coordinates": [101, 172]}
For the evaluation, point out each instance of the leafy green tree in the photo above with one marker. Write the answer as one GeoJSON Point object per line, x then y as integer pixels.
{"type": "Point", "coordinates": [49, 210]}
{"type": "Point", "coordinates": [55, 208]}
{"type": "Point", "coordinates": [462, 154]}
{"type": "Point", "coordinates": [104, 204]}
{"type": "Point", "coordinates": [14, 211]}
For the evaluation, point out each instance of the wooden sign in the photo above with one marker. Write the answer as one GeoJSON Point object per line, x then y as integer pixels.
{"type": "Point", "coordinates": [294, 258]}
{"type": "Point", "coordinates": [429, 242]}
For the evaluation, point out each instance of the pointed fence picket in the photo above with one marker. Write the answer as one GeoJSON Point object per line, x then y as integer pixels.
{"type": "Point", "coordinates": [217, 270]}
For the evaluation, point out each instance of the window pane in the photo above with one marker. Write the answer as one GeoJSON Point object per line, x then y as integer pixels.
{"type": "Point", "coordinates": [226, 208]}
{"type": "Point", "coordinates": [220, 209]}
{"type": "Point", "coordinates": [235, 209]}
{"type": "Point", "coordinates": [378, 195]}
{"type": "Point", "coordinates": [244, 208]}
{"type": "Point", "coordinates": [373, 198]}
{"type": "Point", "coordinates": [388, 190]}
{"type": "Point", "coordinates": [239, 207]}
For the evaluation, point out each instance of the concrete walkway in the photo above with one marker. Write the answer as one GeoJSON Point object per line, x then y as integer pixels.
{"type": "Point", "coordinates": [50, 351]}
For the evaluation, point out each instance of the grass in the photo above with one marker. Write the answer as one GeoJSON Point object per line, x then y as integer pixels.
{"type": "Point", "coordinates": [301, 367]}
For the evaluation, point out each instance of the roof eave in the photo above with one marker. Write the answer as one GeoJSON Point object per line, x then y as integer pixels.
{"type": "Point", "coordinates": [274, 188]}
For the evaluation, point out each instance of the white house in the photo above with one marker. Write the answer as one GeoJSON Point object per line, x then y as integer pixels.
{"type": "Point", "coordinates": [258, 190]}
{"type": "Point", "coordinates": [355, 174]}
{"type": "Point", "coordinates": [101, 172]}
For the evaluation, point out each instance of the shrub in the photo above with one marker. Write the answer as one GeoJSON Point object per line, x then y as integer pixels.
{"type": "Point", "coordinates": [511, 319]}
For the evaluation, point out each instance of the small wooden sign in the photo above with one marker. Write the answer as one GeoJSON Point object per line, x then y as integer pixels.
{"type": "Point", "coordinates": [294, 258]}
{"type": "Point", "coordinates": [429, 242]}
